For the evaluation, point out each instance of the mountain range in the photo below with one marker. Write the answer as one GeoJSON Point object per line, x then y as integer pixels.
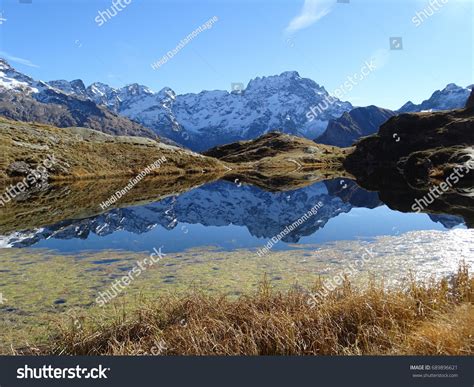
{"type": "Point", "coordinates": [209, 118]}
{"type": "Point", "coordinates": [351, 126]}
{"type": "Point", "coordinates": [206, 119]}
{"type": "Point", "coordinates": [451, 97]}
{"type": "Point", "coordinates": [24, 99]}
{"type": "Point", "coordinates": [221, 203]}
{"type": "Point", "coordinates": [364, 121]}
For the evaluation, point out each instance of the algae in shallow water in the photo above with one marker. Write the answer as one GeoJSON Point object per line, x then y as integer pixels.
{"type": "Point", "coordinates": [40, 285]}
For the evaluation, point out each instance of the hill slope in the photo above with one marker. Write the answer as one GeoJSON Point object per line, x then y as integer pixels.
{"type": "Point", "coordinates": [359, 122]}
{"type": "Point", "coordinates": [85, 153]}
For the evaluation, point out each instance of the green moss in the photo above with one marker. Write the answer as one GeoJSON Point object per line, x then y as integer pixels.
{"type": "Point", "coordinates": [41, 285]}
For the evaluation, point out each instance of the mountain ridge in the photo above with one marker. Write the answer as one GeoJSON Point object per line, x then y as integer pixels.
{"type": "Point", "coordinates": [352, 125]}
{"type": "Point", "coordinates": [24, 99]}
{"type": "Point", "coordinates": [211, 118]}
{"type": "Point", "coordinates": [207, 119]}
{"type": "Point", "coordinates": [450, 98]}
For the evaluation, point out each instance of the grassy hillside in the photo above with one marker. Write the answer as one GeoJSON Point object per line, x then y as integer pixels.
{"type": "Point", "coordinates": [85, 153]}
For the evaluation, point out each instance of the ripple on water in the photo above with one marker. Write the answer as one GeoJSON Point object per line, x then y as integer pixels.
{"type": "Point", "coordinates": [30, 282]}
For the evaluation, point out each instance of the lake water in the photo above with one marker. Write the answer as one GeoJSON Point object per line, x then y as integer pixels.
{"type": "Point", "coordinates": [232, 216]}
{"type": "Point", "coordinates": [59, 249]}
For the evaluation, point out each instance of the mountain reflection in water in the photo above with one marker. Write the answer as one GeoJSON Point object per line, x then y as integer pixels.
{"type": "Point", "coordinates": [225, 214]}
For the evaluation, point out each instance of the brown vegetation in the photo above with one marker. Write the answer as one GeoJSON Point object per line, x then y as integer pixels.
{"type": "Point", "coordinates": [433, 319]}
{"type": "Point", "coordinates": [88, 154]}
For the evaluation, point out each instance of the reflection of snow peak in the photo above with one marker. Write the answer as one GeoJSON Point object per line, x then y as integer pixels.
{"type": "Point", "coordinates": [289, 229]}
{"type": "Point", "coordinates": [264, 214]}
{"type": "Point", "coordinates": [218, 204]}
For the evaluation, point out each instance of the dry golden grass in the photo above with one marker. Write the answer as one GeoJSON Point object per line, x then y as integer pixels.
{"type": "Point", "coordinates": [81, 153]}
{"type": "Point", "coordinates": [424, 318]}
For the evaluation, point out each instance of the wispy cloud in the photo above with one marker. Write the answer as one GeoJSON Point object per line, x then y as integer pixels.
{"type": "Point", "coordinates": [16, 59]}
{"type": "Point", "coordinates": [312, 11]}
{"type": "Point", "coordinates": [380, 57]}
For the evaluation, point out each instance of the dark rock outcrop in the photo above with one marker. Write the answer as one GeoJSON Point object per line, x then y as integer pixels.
{"type": "Point", "coordinates": [470, 101]}
{"type": "Point", "coordinates": [353, 125]}
{"type": "Point", "coordinates": [415, 153]}
{"type": "Point", "coordinates": [403, 135]}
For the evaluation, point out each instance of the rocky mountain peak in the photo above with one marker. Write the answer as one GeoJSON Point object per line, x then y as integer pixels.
{"type": "Point", "coordinates": [136, 89]}
{"type": "Point", "coordinates": [4, 65]}
{"type": "Point", "coordinates": [449, 98]}
{"type": "Point", "coordinates": [215, 117]}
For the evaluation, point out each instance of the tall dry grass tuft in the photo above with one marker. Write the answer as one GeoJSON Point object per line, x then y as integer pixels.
{"type": "Point", "coordinates": [423, 318]}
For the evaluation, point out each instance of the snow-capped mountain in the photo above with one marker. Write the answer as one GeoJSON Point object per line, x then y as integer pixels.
{"type": "Point", "coordinates": [217, 117]}
{"type": "Point", "coordinates": [76, 87]}
{"type": "Point", "coordinates": [363, 121]}
{"type": "Point", "coordinates": [62, 104]}
{"type": "Point", "coordinates": [451, 97]}
{"type": "Point", "coordinates": [199, 121]}
{"type": "Point", "coordinates": [14, 81]}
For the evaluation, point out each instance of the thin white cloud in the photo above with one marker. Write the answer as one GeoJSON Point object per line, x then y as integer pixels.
{"type": "Point", "coordinates": [312, 11]}
{"type": "Point", "coordinates": [380, 58]}
{"type": "Point", "coordinates": [16, 59]}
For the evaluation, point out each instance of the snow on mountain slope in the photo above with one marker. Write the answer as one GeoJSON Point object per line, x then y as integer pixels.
{"type": "Point", "coordinates": [14, 81]}
{"type": "Point", "coordinates": [59, 103]}
{"type": "Point", "coordinates": [209, 118]}
{"type": "Point", "coordinates": [451, 97]}
{"type": "Point", "coordinates": [222, 203]}
{"type": "Point", "coordinates": [216, 117]}
{"type": "Point", "coordinates": [75, 87]}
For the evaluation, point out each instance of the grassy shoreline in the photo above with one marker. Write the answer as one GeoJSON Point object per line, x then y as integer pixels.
{"type": "Point", "coordinates": [431, 318]}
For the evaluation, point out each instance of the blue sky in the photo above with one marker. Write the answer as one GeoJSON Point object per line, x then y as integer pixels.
{"type": "Point", "coordinates": [321, 39]}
